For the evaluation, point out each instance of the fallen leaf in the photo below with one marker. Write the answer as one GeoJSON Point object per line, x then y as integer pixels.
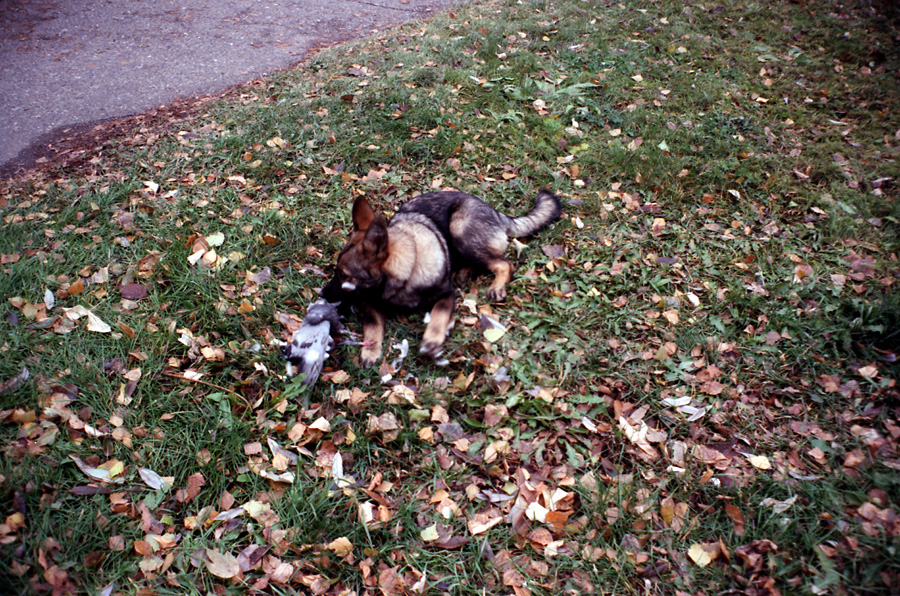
{"type": "Point", "coordinates": [779, 506]}
{"type": "Point", "coordinates": [133, 291]}
{"type": "Point", "coordinates": [154, 480]}
{"type": "Point", "coordinates": [870, 371]}
{"type": "Point", "coordinates": [109, 472]}
{"type": "Point", "coordinates": [429, 534]}
{"type": "Point", "coordinates": [760, 462]}
{"type": "Point", "coordinates": [737, 517]}
{"type": "Point", "coordinates": [704, 554]}
{"type": "Point", "coordinates": [222, 565]}
{"type": "Point", "coordinates": [494, 334]}
{"type": "Point", "coordinates": [13, 383]}
{"type": "Point", "coordinates": [342, 547]}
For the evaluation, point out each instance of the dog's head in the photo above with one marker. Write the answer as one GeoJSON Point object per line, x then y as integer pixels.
{"type": "Point", "coordinates": [360, 263]}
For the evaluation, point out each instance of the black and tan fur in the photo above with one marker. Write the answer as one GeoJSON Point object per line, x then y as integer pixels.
{"type": "Point", "coordinates": [407, 264]}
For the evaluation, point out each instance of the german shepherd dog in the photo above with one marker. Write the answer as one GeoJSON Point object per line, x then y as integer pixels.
{"type": "Point", "coordinates": [407, 264]}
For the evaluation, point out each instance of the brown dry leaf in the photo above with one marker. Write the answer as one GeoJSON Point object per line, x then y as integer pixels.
{"type": "Point", "coordinates": [493, 414]}
{"type": "Point", "coordinates": [154, 480]}
{"type": "Point", "coordinates": [386, 424]}
{"type": "Point", "coordinates": [128, 331]}
{"type": "Point", "coordinates": [736, 516]}
{"type": "Point", "coordinates": [94, 323]}
{"type": "Point", "coordinates": [278, 572]}
{"type": "Point", "coordinates": [671, 316]}
{"type": "Point", "coordinates": [75, 288]}
{"type": "Point", "coordinates": [673, 514]}
{"type": "Point", "coordinates": [116, 543]}
{"type": "Point", "coordinates": [222, 565]}
{"type": "Point", "coordinates": [195, 483]}
{"type": "Point", "coordinates": [133, 291]}
{"type": "Point", "coordinates": [483, 521]}
{"type": "Point", "coordinates": [15, 382]}
{"type": "Point", "coordinates": [751, 555]}
{"type": "Point", "coordinates": [390, 582]}
{"type": "Point", "coordinates": [496, 449]}
{"type": "Point", "coordinates": [800, 272]}
{"type": "Point", "coordinates": [779, 506]}
{"type": "Point", "coordinates": [712, 388]}
{"type": "Point", "coordinates": [869, 372]}
{"type": "Point", "coordinates": [338, 377]}
{"type": "Point", "coordinates": [667, 510]}
{"type": "Point", "coordinates": [254, 448]}
{"type": "Point", "coordinates": [142, 547]}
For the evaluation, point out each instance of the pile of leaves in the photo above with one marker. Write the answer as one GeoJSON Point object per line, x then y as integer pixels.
{"type": "Point", "coordinates": [690, 389]}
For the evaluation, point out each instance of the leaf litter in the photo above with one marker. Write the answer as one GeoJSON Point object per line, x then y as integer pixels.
{"type": "Point", "coordinates": [693, 352]}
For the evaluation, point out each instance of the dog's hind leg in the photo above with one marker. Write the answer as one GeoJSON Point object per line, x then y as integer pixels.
{"type": "Point", "coordinates": [436, 330]}
{"type": "Point", "coordinates": [502, 270]}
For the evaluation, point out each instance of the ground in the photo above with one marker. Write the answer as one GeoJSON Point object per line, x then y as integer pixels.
{"type": "Point", "coordinates": [691, 387]}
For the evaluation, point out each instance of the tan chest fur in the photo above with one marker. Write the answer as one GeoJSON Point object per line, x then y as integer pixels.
{"type": "Point", "coordinates": [416, 255]}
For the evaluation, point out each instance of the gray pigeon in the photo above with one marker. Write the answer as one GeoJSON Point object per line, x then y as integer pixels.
{"type": "Point", "coordinates": [310, 344]}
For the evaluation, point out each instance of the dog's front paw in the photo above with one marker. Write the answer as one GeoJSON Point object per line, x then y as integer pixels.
{"type": "Point", "coordinates": [369, 356]}
{"type": "Point", "coordinates": [496, 294]}
{"type": "Point", "coordinates": [432, 349]}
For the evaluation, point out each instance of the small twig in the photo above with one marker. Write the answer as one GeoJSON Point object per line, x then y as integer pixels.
{"type": "Point", "coordinates": [208, 384]}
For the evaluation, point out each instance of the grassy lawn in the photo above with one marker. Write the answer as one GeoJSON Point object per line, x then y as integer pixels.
{"type": "Point", "coordinates": [696, 392]}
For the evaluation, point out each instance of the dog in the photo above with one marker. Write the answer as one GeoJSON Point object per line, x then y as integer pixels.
{"type": "Point", "coordinates": [407, 264]}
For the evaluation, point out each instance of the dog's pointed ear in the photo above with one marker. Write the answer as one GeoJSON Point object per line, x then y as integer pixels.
{"type": "Point", "coordinates": [362, 214]}
{"type": "Point", "coordinates": [376, 240]}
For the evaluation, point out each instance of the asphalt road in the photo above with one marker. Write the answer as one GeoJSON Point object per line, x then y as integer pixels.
{"type": "Point", "coordinates": [65, 64]}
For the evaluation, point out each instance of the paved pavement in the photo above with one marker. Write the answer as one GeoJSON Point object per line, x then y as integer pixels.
{"type": "Point", "coordinates": [66, 64]}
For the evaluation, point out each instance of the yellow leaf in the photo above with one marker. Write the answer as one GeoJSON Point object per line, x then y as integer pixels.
{"type": "Point", "coordinates": [658, 225]}
{"type": "Point", "coordinates": [493, 334]}
{"type": "Point", "coordinates": [429, 534]}
{"type": "Point", "coordinates": [760, 461]}
{"type": "Point", "coordinates": [114, 467]}
{"type": "Point", "coordinates": [667, 511]}
{"type": "Point", "coordinates": [699, 555]}
{"type": "Point", "coordinates": [341, 547]}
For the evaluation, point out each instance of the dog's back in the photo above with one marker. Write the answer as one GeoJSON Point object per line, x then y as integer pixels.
{"type": "Point", "coordinates": [477, 234]}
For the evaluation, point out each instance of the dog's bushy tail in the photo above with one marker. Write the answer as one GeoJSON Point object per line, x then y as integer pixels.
{"type": "Point", "coordinates": [545, 212]}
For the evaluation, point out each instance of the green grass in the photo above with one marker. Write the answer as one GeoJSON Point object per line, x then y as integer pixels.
{"type": "Point", "coordinates": [730, 236]}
